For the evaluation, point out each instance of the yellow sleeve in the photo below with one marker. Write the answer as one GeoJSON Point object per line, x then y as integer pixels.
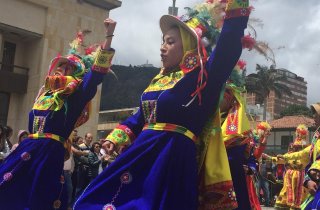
{"type": "Point", "coordinates": [302, 156]}
{"type": "Point", "coordinates": [315, 165]}
{"type": "Point", "coordinates": [121, 135]}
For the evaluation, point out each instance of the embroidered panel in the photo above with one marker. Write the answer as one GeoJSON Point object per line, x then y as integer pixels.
{"type": "Point", "coordinates": [149, 108]}
{"type": "Point", "coordinates": [165, 82]}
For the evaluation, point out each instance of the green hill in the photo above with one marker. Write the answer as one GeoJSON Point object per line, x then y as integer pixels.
{"type": "Point", "coordinates": [125, 92]}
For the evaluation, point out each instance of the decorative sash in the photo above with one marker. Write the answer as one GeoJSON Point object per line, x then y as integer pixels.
{"type": "Point", "coordinates": [171, 127]}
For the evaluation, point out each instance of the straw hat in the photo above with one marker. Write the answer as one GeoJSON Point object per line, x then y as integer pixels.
{"type": "Point", "coordinates": [316, 108]}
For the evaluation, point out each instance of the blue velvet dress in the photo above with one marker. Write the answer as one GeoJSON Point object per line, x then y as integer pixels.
{"type": "Point", "coordinates": [237, 158]}
{"type": "Point", "coordinates": [159, 170]}
{"type": "Point", "coordinates": [30, 177]}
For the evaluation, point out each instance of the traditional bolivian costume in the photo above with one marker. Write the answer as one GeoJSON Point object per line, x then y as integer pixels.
{"type": "Point", "coordinates": [31, 176]}
{"type": "Point", "coordinates": [293, 193]}
{"type": "Point", "coordinates": [159, 171]}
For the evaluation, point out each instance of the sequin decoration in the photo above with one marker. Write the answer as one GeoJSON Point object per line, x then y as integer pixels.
{"type": "Point", "coordinates": [232, 194]}
{"type": "Point", "coordinates": [25, 156]}
{"type": "Point", "coordinates": [126, 178]}
{"type": "Point", "coordinates": [56, 204]}
{"type": "Point", "coordinates": [189, 62]}
{"type": "Point", "coordinates": [7, 176]}
{"type": "Point", "coordinates": [109, 206]}
{"type": "Point", "coordinates": [149, 108]}
{"type": "Point", "coordinates": [38, 124]}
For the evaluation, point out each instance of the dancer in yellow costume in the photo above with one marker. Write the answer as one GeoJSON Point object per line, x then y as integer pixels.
{"type": "Point", "coordinates": [293, 193]}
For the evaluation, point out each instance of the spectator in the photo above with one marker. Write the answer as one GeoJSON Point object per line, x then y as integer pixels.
{"type": "Point", "coordinates": [68, 168]}
{"type": "Point", "coordinates": [78, 157]}
{"type": "Point", "coordinates": [5, 144]}
{"type": "Point", "coordinates": [83, 179]}
{"type": "Point", "coordinates": [22, 134]}
{"type": "Point", "coordinates": [94, 160]}
{"type": "Point", "coordinates": [263, 184]}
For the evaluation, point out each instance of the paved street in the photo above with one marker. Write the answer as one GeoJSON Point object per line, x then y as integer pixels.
{"type": "Point", "coordinates": [267, 208]}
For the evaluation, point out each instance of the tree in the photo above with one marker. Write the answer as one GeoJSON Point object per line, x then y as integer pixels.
{"type": "Point", "coordinates": [267, 80]}
{"type": "Point", "coordinates": [294, 110]}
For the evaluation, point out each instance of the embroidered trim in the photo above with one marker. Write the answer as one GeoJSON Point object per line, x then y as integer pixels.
{"type": "Point", "coordinates": [190, 61]}
{"type": "Point", "coordinates": [232, 121]}
{"type": "Point", "coordinates": [125, 179]}
{"type": "Point", "coordinates": [240, 12]}
{"type": "Point", "coordinates": [220, 195]}
{"type": "Point", "coordinates": [164, 82]}
{"type": "Point", "coordinates": [121, 135]}
{"type": "Point", "coordinates": [149, 108]}
{"type": "Point", "coordinates": [38, 124]}
{"type": "Point", "coordinates": [102, 61]}
{"type": "Point", "coordinates": [46, 136]}
{"type": "Point", "coordinates": [237, 4]}
{"type": "Point", "coordinates": [171, 127]}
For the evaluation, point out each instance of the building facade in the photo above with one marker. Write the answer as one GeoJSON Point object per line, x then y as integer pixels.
{"type": "Point", "coordinates": [32, 32]}
{"type": "Point", "coordinates": [275, 105]}
{"type": "Point", "coordinates": [283, 132]}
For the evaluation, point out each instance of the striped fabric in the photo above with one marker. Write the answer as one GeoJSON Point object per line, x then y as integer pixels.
{"type": "Point", "coordinates": [171, 127]}
{"type": "Point", "coordinates": [47, 136]}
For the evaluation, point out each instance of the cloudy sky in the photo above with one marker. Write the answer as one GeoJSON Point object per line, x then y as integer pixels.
{"type": "Point", "coordinates": [290, 27]}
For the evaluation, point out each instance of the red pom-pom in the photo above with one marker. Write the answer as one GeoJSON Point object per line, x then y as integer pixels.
{"type": "Point", "coordinates": [242, 64]}
{"type": "Point", "coordinates": [89, 50]}
{"type": "Point", "coordinates": [248, 42]}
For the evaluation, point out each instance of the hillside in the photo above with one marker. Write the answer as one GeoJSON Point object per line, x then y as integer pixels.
{"type": "Point", "coordinates": [125, 92]}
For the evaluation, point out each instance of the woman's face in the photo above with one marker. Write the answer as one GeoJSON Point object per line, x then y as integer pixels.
{"type": "Point", "coordinates": [80, 141]}
{"type": "Point", "coordinates": [23, 137]}
{"type": "Point", "coordinates": [171, 49]}
{"type": "Point", "coordinates": [96, 148]}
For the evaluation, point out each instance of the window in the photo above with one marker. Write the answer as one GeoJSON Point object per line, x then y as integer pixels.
{"type": "Point", "coordinates": [4, 107]}
{"type": "Point", "coordinates": [285, 141]}
{"type": "Point", "coordinates": [9, 51]}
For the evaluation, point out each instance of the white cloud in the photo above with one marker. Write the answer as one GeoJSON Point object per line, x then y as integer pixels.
{"type": "Point", "coordinates": [293, 24]}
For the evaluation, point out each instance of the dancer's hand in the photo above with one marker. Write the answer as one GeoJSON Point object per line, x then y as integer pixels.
{"type": "Point", "coordinates": [312, 187]}
{"type": "Point", "coordinates": [108, 146]}
{"type": "Point", "coordinates": [110, 25]}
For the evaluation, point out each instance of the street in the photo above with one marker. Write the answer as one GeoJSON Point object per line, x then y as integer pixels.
{"type": "Point", "coordinates": [267, 208]}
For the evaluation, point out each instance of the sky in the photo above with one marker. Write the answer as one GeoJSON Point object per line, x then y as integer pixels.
{"type": "Point", "coordinates": [290, 27]}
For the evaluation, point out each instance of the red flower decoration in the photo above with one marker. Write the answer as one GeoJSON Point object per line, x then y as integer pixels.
{"type": "Point", "coordinates": [242, 64]}
{"type": "Point", "coordinates": [89, 50]}
{"type": "Point", "coordinates": [248, 42]}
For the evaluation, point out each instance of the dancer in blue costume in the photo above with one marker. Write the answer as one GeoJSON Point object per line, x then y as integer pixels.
{"type": "Point", "coordinates": [159, 170]}
{"type": "Point", "coordinates": [31, 176]}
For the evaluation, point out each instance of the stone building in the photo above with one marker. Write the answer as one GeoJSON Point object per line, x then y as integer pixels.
{"type": "Point", "coordinates": [32, 32]}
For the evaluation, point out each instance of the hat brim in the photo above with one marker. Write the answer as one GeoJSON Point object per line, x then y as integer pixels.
{"type": "Point", "coordinates": [316, 108]}
{"type": "Point", "coordinates": [57, 61]}
{"type": "Point", "coordinates": [169, 21]}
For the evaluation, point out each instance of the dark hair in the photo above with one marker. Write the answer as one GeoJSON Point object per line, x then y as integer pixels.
{"type": "Point", "coordinates": [77, 139]}
{"type": "Point", "coordinates": [1, 131]}
{"type": "Point", "coordinates": [7, 130]}
{"type": "Point", "coordinates": [93, 145]}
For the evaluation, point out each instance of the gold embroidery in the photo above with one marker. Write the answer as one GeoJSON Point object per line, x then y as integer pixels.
{"type": "Point", "coordinates": [165, 82]}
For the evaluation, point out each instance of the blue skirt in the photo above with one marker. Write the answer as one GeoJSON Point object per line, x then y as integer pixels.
{"type": "Point", "coordinates": [30, 177]}
{"type": "Point", "coordinates": [236, 161]}
{"type": "Point", "coordinates": [313, 202]}
{"type": "Point", "coordinates": [157, 172]}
